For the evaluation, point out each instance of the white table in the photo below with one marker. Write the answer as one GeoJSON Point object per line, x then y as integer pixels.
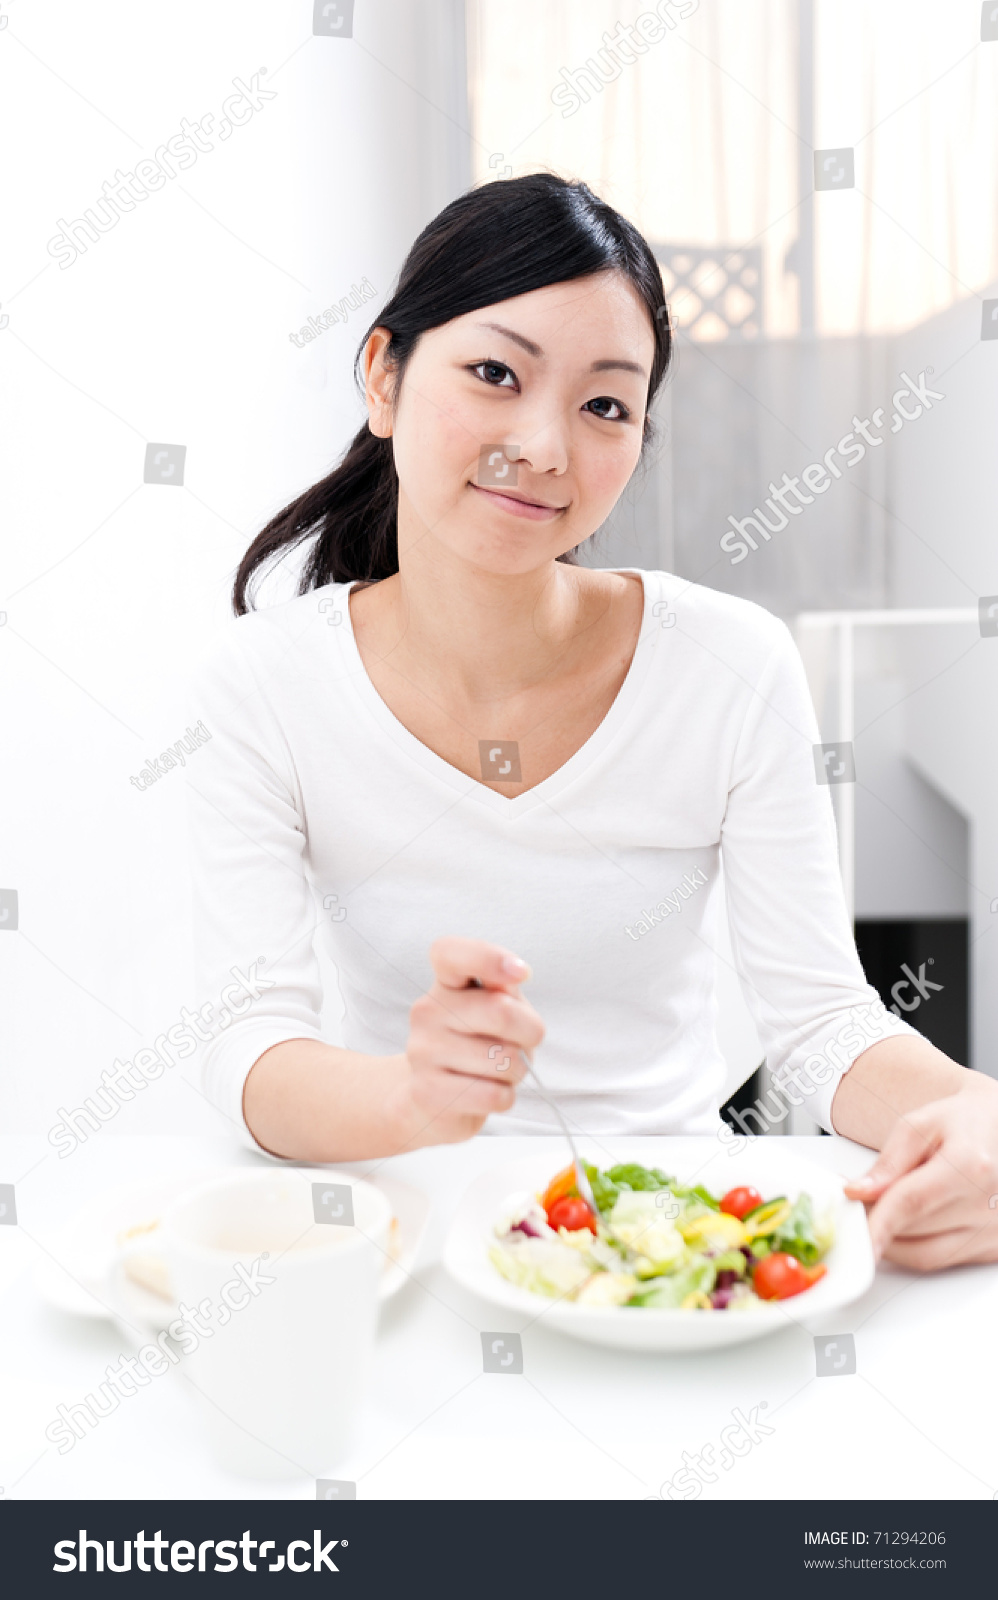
{"type": "Point", "coordinates": [916, 1421]}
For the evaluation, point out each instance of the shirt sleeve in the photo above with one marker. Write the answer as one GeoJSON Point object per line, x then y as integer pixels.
{"type": "Point", "coordinates": [256, 973]}
{"type": "Point", "coordinates": [793, 945]}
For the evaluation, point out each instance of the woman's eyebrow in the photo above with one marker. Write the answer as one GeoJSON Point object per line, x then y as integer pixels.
{"type": "Point", "coordinates": [535, 350]}
{"type": "Point", "coordinates": [621, 366]}
{"type": "Point", "coordinates": [517, 338]}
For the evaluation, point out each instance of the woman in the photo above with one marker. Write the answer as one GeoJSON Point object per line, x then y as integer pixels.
{"type": "Point", "coordinates": [479, 766]}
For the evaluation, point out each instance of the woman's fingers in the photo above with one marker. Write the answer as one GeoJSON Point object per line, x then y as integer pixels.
{"type": "Point", "coordinates": [493, 1016]}
{"type": "Point", "coordinates": [956, 1211]}
{"type": "Point", "coordinates": [948, 1210]}
{"type": "Point", "coordinates": [468, 1035]}
{"type": "Point", "coordinates": [931, 1186]}
{"type": "Point", "coordinates": [494, 1012]}
{"type": "Point", "coordinates": [935, 1251]}
{"type": "Point", "coordinates": [477, 1054]}
{"type": "Point", "coordinates": [934, 1199]}
{"type": "Point", "coordinates": [456, 962]}
{"type": "Point", "coordinates": [868, 1188]}
{"type": "Point", "coordinates": [912, 1198]}
{"type": "Point", "coordinates": [912, 1141]}
{"type": "Point", "coordinates": [445, 1094]}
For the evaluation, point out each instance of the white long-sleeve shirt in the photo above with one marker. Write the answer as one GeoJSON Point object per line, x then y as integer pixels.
{"type": "Point", "coordinates": [314, 811]}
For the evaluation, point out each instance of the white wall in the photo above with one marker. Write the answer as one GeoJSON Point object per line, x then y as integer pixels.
{"type": "Point", "coordinates": [736, 416]}
{"type": "Point", "coordinates": [173, 327]}
{"type": "Point", "coordinates": [945, 552]}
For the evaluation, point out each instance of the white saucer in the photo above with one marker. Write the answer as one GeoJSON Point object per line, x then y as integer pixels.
{"type": "Point", "coordinates": [84, 1273]}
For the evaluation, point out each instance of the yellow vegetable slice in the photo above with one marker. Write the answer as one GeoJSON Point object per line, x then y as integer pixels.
{"type": "Point", "coordinates": [767, 1219]}
{"type": "Point", "coordinates": [716, 1225]}
{"type": "Point", "coordinates": [697, 1301]}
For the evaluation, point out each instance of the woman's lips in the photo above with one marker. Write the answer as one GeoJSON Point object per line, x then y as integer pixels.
{"type": "Point", "coordinates": [519, 508]}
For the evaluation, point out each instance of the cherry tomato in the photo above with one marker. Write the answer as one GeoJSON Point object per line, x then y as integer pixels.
{"type": "Point", "coordinates": [779, 1276]}
{"type": "Point", "coordinates": [739, 1201]}
{"type": "Point", "coordinates": [572, 1213]}
{"type": "Point", "coordinates": [562, 1184]}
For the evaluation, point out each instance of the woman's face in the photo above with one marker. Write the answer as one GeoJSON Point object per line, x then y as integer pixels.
{"type": "Point", "coordinates": [518, 426]}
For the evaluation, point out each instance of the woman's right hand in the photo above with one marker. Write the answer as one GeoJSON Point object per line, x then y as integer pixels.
{"type": "Point", "coordinates": [463, 1051]}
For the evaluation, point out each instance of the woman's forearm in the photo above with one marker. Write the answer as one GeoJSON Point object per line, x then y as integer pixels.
{"type": "Point", "coordinates": [316, 1102]}
{"type": "Point", "coordinates": [463, 1058]}
{"type": "Point", "coordinates": [890, 1079]}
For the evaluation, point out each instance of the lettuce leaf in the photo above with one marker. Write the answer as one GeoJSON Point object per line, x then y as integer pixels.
{"type": "Point", "coordinates": [541, 1265]}
{"type": "Point", "coordinates": [605, 1191]}
{"type": "Point", "coordinates": [631, 1175]}
{"type": "Point", "coordinates": [800, 1235]}
{"type": "Point", "coordinates": [730, 1261]}
{"type": "Point", "coordinates": [695, 1191]}
{"type": "Point", "coordinates": [670, 1292]}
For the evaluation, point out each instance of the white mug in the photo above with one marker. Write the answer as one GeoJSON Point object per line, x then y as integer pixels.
{"type": "Point", "coordinates": [277, 1312]}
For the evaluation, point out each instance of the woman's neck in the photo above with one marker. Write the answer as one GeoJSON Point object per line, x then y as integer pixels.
{"type": "Point", "coordinates": [481, 634]}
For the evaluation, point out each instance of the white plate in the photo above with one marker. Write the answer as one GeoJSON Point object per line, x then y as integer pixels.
{"type": "Point", "coordinates": [850, 1262]}
{"type": "Point", "coordinates": [84, 1274]}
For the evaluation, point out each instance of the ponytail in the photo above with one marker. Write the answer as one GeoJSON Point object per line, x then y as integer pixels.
{"type": "Point", "coordinates": [355, 512]}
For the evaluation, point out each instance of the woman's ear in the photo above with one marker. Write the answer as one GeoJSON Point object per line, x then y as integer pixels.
{"type": "Point", "coordinates": [377, 384]}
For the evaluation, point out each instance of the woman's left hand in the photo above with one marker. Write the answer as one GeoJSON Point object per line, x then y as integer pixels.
{"type": "Point", "coordinates": [932, 1193]}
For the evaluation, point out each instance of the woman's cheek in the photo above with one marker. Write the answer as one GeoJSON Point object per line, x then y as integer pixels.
{"type": "Point", "coordinates": [457, 441]}
{"type": "Point", "coordinates": [603, 482]}
{"type": "Point", "coordinates": [445, 442]}
{"type": "Point", "coordinates": [434, 463]}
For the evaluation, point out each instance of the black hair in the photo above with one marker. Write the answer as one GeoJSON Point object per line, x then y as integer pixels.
{"type": "Point", "coordinates": [501, 239]}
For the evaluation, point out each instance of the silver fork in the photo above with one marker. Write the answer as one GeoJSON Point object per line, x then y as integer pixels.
{"type": "Point", "coordinates": [581, 1180]}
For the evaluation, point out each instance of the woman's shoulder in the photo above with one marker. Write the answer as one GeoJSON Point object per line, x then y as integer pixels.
{"type": "Point", "coordinates": [728, 624]}
{"type": "Point", "coordinates": [270, 643]}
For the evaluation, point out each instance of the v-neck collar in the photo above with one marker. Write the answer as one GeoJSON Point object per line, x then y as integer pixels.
{"type": "Point", "coordinates": [471, 788]}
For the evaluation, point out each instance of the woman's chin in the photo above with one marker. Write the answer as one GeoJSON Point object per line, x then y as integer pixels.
{"type": "Point", "coordinates": [515, 559]}
{"type": "Point", "coordinates": [514, 551]}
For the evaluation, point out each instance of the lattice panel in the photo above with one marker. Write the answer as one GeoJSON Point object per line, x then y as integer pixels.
{"type": "Point", "coordinates": [714, 292]}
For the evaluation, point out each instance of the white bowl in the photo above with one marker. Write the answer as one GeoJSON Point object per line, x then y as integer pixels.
{"type": "Point", "coordinates": [850, 1261]}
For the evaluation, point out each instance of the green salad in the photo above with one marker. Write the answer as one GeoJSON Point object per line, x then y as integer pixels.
{"type": "Point", "coordinates": [654, 1241]}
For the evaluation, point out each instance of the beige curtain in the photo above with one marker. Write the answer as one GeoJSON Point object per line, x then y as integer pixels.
{"type": "Point", "coordinates": [697, 139]}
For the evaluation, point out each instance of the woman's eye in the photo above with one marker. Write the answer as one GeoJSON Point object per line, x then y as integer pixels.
{"type": "Point", "coordinates": [496, 374]}
{"type": "Point", "coordinates": [613, 412]}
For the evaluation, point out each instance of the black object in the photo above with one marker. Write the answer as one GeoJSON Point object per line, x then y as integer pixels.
{"type": "Point", "coordinates": [742, 1098]}
{"type": "Point", "coordinates": [920, 968]}
{"type": "Point", "coordinates": [746, 1097]}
